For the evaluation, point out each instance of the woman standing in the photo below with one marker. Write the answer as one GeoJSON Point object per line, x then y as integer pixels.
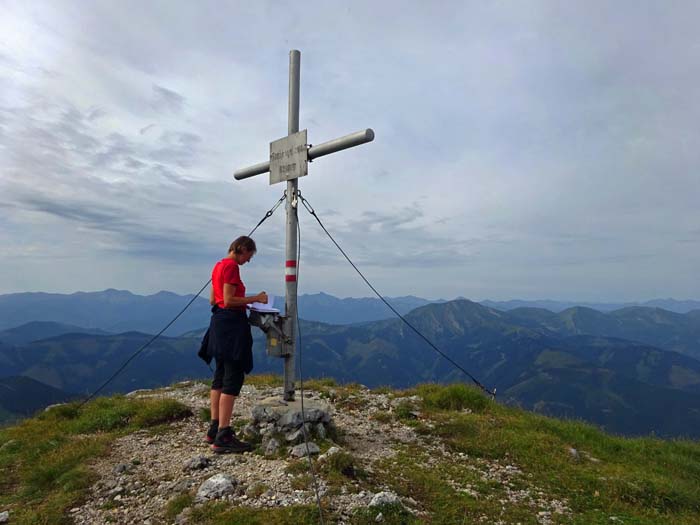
{"type": "Point", "coordinates": [230, 343]}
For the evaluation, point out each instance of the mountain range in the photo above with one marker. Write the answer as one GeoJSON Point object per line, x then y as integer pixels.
{"type": "Point", "coordinates": [117, 311]}
{"type": "Point", "coordinates": [632, 371]}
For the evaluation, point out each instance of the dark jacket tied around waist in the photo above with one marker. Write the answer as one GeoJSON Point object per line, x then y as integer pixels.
{"type": "Point", "coordinates": [228, 339]}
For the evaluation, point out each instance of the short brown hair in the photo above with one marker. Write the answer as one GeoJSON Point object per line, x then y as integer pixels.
{"type": "Point", "coordinates": [243, 242]}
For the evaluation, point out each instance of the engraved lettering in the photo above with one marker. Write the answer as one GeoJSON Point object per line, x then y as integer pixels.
{"type": "Point", "coordinates": [288, 168]}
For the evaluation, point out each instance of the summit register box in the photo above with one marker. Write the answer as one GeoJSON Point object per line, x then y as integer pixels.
{"type": "Point", "coordinates": [276, 328]}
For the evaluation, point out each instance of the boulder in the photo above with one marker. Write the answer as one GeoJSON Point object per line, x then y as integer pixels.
{"type": "Point", "coordinates": [272, 447]}
{"type": "Point", "coordinates": [300, 450]}
{"type": "Point", "coordinates": [320, 431]}
{"type": "Point", "coordinates": [264, 414]}
{"type": "Point", "coordinates": [251, 432]}
{"type": "Point", "coordinates": [290, 420]}
{"type": "Point", "coordinates": [384, 498]}
{"type": "Point", "coordinates": [217, 486]}
{"type": "Point", "coordinates": [196, 463]}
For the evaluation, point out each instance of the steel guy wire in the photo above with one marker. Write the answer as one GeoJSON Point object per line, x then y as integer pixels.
{"type": "Point", "coordinates": [301, 379]}
{"type": "Point", "coordinates": [310, 209]}
{"type": "Point", "coordinates": [147, 344]}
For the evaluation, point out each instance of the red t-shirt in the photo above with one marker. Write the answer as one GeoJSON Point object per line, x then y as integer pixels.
{"type": "Point", "coordinates": [226, 271]}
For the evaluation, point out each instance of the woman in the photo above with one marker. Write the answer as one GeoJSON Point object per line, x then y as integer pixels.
{"type": "Point", "coordinates": [230, 343]}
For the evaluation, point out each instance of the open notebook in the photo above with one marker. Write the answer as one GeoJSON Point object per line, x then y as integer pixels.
{"type": "Point", "coordinates": [265, 307]}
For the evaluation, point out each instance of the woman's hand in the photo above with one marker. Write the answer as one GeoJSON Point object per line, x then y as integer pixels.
{"type": "Point", "coordinates": [261, 298]}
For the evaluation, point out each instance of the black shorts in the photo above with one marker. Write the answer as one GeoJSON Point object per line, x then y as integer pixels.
{"type": "Point", "coordinates": [228, 377]}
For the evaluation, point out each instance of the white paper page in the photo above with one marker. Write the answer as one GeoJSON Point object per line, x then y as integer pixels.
{"type": "Point", "coordinates": [265, 307]}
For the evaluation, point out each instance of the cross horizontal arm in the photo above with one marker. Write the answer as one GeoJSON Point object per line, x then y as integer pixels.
{"type": "Point", "coordinates": [339, 144]}
{"type": "Point", "coordinates": [348, 141]}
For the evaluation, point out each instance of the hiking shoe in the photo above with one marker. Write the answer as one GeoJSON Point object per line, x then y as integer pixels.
{"type": "Point", "coordinates": [226, 442]}
{"type": "Point", "coordinates": [211, 433]}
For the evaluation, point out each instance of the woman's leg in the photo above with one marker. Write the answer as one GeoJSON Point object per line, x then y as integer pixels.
{"type": "Point", "coordinates": [226, 440]}
{"type": "Point", "coordinates": [226, 402]}
{"type": "Point", "coordinates": [214, 398]}
{"type": "Point", "coordinates": [217, 384]}
{"type": "Point", "coordinates": [232, 383]}
{"type": "Point", "coordinates": [214, 402]}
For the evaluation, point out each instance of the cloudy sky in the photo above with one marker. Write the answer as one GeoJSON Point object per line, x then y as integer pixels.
{"type": "Point", "coordinates": [523, 149]}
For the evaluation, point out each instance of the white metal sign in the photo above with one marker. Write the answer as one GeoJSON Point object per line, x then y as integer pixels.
{"type": "Point", "coordinates": [289, 157]}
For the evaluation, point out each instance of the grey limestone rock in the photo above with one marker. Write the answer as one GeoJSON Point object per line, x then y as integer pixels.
{"type": "Point", "coordinates": [264, 414]}
{"type": "Point", "coordinates": [196, 463]}
{"type": "Point", "coordinates": [329, 453]}
{"type": "Point", "coordinates": [297, 436]}
{"type": "Point", "coordinates": [294, 437]}
{"type": "Point", "coordinates": [272, 447]}
{"type": "Point", "coordinates": [216, 487]}
{"type": "Point", "coordinates": [320, 431]}
{"type": "Point", "coordinates": [290, 420]}
{"type": "Point", "coordinates": [109, 484]}
{"type": "Point", "coordinates": [251, 431]}
{"type": "Point", "coordinates": [121, 468]}
{"type": "Point", "coordinates": [293, 418]}
{"type": "Point", "coordinates": [384, 498]}
{"type": "Point", "coordinates": [116, 491]}
{"type": "Point", "coordinates": [300, 450]}
{"type": "Point", "coordinates": [184, 485]}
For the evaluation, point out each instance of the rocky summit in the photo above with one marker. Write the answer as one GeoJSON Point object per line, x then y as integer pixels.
{"type": "Point", "coordinates": [355, 456]}
{"type": "Point", "coordinates": [146, 472]}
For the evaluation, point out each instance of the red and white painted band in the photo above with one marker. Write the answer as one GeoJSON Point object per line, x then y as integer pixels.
{"type": "Point", "coordinates": [290, 271]}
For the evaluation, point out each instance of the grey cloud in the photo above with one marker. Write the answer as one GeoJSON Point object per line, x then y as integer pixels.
{"type": "Point", "coordinates": [73, 131]}
{"type": "Point", "coordinates": [539, 147]}
{"type": "Point", "coordinates": [115, 149]}
{"type": "Point", "coordinates": [83, 212]}
{"type": "Point", "coordinates": [131, 235]}
{"type": "Point", "coordinates": [387, 221]}
{"type": "Point", "coordinates": [95, 114]}
{"type": "Point", "coordinates": [179, 148]}
{"type": "Point", "coordinates": [166, 99]}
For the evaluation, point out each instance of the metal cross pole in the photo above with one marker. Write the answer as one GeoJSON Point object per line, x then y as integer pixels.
{"type": "Point", "coordinates": [289, 157]}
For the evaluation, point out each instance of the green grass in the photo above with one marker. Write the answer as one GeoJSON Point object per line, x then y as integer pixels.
{"type": "Point", "coordinates": [256, 490]}
{"type": "Point", "coordinates": [177, 504]}
{"type": "Point", "coordinates": [320, 384]}
{"type": "Point", "coordinates": [453, 397]}
{"type": "Point", "coordinates": [219, 513]}
{"type": "Point", "coordinates": [44, 460]}
{"type": "Point", "coordinates": [641, 480]}
{"type": "Point", "coordinates": [271, 380]}
{"type": "Point", "coordinates": [382, 416]}
{"type": "Point", "coordinates": [341, 462]}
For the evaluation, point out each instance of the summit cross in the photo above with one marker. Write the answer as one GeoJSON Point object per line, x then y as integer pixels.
{"type": "Point", "coordinates": [289, 157]}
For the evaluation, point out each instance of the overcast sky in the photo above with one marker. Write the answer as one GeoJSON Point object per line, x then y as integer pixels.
{"type": "Point", "coordinates": [523, 149]}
